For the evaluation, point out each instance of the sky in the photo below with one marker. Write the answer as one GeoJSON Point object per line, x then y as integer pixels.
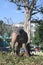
{"type": "Point", "coordinates": [8, 11]}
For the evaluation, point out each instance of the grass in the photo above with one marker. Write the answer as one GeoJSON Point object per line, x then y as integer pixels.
{"type": "Point", "coordinates": [8, 59]}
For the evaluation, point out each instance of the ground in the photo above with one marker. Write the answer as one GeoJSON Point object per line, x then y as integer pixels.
{"type": "Point", "coordinates": [8, 59]}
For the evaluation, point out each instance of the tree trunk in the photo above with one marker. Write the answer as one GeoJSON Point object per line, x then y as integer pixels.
{"type": "Point", "coordinates": [27, 22]}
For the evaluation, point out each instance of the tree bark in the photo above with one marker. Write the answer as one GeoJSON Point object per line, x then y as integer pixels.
{"type": "Point", "coordinates": [27, 22]}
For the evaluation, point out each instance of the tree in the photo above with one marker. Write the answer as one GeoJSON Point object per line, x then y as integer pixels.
{"type": "Point", "coordinates": [1, 24]}
{"type": "Point", "coordinates": [36, 39]}
{"type": "Point", "coordinates": [30, 8]}
{"type": "Point", "coordinates": [40, 31]}
{"type": "Point", "coordinates": [5, 28]}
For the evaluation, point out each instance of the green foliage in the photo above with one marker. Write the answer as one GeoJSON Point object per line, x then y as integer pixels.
{"type": "Point", "coordinates": [36, 39]}
{"type": "Point", "coordinates": [5, 28]}
{"type": "Point", "coordinates": [41, 46]}
{"type": "Point", "coordinates": [40, 31]}
{"type": "Point", "coordinates": [39, 34]}
{"type": "Point", "coordinates": [1, 28]}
